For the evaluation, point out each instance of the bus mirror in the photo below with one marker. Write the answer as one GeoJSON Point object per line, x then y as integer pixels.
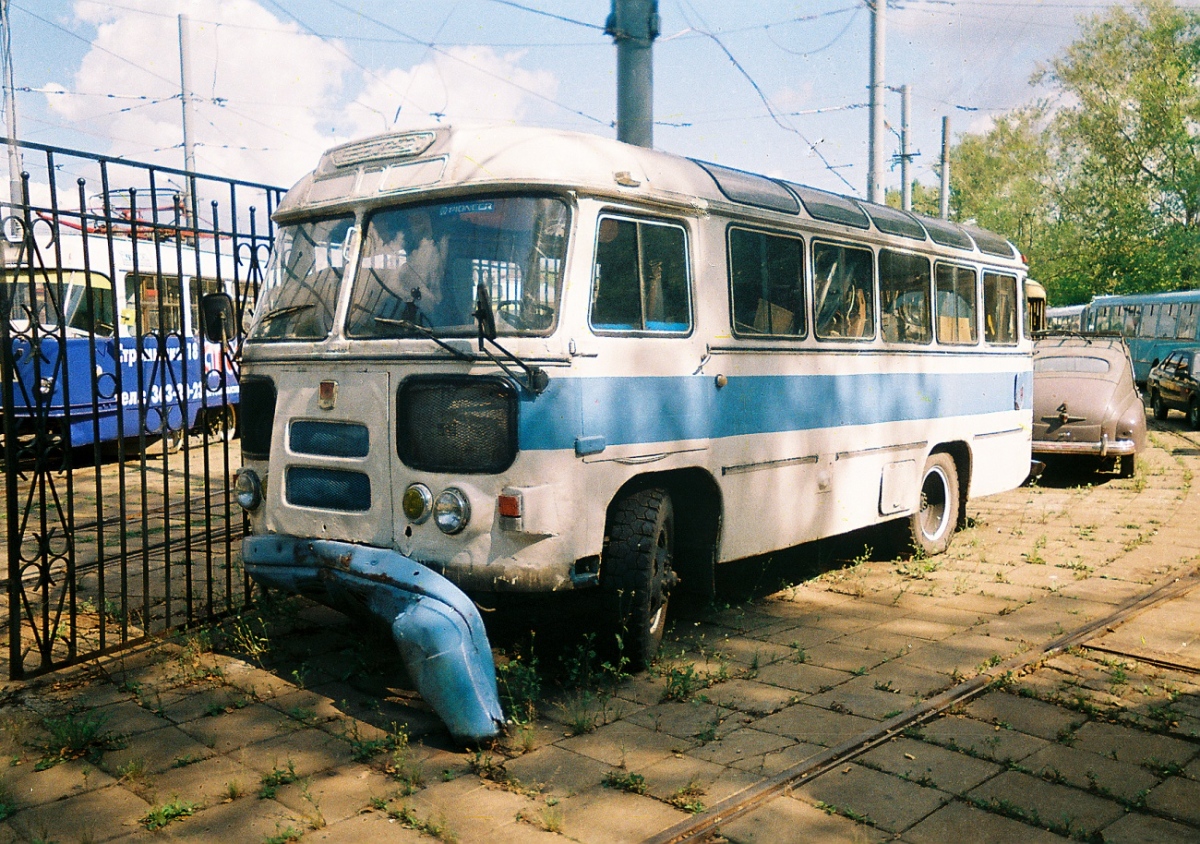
{"type": "Point", "coordinates": [216, 311]}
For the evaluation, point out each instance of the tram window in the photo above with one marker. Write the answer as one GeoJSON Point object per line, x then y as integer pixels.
{"type": "Point", "coordinates": [1185, 329]}
{"type": "Point", "coordinates": [1000, 309]}
{"type": "Point", "coordinates": [157, 299]}
{"type": "Point", "coordinates": [904, 283]}
{"type": "Point", "coordinates": [200, 286]}
{"type": "Point", "coordinates": [956, 302]}
{"type": "Point", "coordinates": [766, 275]}
{"type": "Point", "coordinates": [640, 277]}
{"type": "Point", "coordinates": [843, 292]}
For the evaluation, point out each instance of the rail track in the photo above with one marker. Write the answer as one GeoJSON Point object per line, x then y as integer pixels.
{"type": "Point", "coordinates": [705, 826]}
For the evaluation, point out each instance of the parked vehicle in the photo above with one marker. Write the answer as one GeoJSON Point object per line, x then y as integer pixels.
{"type": "Point", "coordinates": [1085, 401]}
{"type": "Point", "coordinates": [1173, 385]}
{"type": "Point", "coordinates": [1151, 323]}
{"type": "Point", "coordinates": [540, 361]}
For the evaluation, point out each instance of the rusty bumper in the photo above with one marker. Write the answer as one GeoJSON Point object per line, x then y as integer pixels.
{"type": "Point", "coordinates": [435, 625]}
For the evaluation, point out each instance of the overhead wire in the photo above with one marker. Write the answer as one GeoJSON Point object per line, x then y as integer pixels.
{"type": "Point", "coordinates": [776, 116]}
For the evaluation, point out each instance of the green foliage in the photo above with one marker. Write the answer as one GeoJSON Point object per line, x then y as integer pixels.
{"type": "Point", "coordinates": [625, 781]}
{"type": "Point", "coordinates": [76, 736]}
{"type": "Point", "coordinates": [1102, 193]}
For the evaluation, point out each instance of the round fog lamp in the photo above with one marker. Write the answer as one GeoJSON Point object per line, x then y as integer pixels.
{"type": "Point", "coordinates": [451, 511]}
{"type": "Point", "coordinates": [417, 503]}
{"type": "Point", "coordinates": [248, 489]}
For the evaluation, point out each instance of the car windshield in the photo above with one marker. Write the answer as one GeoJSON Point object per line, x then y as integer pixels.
{"type": "Point", "coordinates": [421, 267]}
{"type": "Point", "coordinates": [301, 288]}
{"type": "Point", "coordinates": [1071, 363]}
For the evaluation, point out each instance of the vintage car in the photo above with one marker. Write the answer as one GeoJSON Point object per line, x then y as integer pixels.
{"type": "Point", "coordinates": [1085, 402]}
{"type": "Point", "coordinates": [1173, 384]}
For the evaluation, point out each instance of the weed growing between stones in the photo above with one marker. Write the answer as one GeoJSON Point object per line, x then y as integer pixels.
{"type": "Point", "coordinates": [625, 781]}
{"type": "Point", "coordinates": [167, 813]}
{"type": "Point", "coordinates": [76, 736]}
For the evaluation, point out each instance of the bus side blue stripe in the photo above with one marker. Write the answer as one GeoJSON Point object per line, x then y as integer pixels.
{"type": "Point", "coordinates": [664, 409]}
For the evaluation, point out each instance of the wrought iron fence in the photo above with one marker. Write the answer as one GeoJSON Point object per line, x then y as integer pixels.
{"type": "Point", "coordinates": [119, 420]}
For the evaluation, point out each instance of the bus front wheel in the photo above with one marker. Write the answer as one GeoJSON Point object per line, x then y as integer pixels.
{"type": "Point", "coordinates": [931, 527]}
{"type": "Point", "coordinates": [636, 572]}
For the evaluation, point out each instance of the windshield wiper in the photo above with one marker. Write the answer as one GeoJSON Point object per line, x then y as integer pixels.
{"type": "Point", "coordinates": [536, 379]}
{"type": "Point", "coordinates": [284, 311]}
{"type": "Point", "coordinates": [424, 332]}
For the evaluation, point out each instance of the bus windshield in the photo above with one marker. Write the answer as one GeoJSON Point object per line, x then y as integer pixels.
{"type": "Point", "coordinates": [303, 279]}
{"type": "Point", "coordinates": [39, 296]}
{"type": "Point", "coordinates": [421, 266]}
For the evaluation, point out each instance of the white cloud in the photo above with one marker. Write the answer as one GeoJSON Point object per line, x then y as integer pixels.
{"type": "Point", "coordinates": [460, 85]}
{"type": "Point", "coordinates": [268, 96]}
{"type": "Point", "coordinates": [260, 86]}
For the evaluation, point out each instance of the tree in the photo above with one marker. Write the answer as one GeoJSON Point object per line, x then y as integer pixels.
{"type": "Point", "coordinates": [1102, 193]}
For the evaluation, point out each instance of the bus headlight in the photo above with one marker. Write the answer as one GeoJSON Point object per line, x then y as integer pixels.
{"type": "Point", "coordinates": [451, 511]}
{"type": "Point", "coordinates": [248, 489]}
{"type": "Point", "coordinates": [417, 503]}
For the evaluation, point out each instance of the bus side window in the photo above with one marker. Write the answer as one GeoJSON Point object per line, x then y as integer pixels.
{"type": "Point", "coordinates": [904, 283]}
{"type": "Point", "coordinates": [766, 277]}
{"type": "Point", "coordinates": [1186, 327]}
{"type": "Point", "coordinates": [1000, 309]}
{"type": "Point", "coordinates": [640, 277]}
{"type": "Point", "coordinates": [956, 303]}
{"type": "Point", "coordinates": [843, 292]}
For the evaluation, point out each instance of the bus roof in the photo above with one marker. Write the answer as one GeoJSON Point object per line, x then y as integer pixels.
{"type": "Point", "coordinates": [445, 160]}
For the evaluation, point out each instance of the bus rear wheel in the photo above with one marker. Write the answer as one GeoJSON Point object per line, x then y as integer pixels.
{"type": "Point", "coordinates": [636, 572]}
{"type": "Point", "coordinates": [222, 424]}
{"type": "Point", "coordinates": [931, 527]}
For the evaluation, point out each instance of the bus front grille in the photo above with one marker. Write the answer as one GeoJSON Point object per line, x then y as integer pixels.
{"type": "Point", "coordinates": [456, 424]}
{"type": "Point", "coordinates": [328, 489]}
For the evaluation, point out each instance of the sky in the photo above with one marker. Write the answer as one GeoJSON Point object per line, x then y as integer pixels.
{"type": "Point", "coordinates": [769, 86]}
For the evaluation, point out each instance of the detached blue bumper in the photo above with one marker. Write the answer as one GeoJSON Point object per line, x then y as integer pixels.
{"type": "Point", "coordinates": [437, 628]}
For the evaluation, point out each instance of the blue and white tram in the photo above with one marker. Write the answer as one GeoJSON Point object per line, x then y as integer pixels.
{"type": "Point", "coordinates": [106, 340]}
{"type": "Point", "coordinates": [533, 361]}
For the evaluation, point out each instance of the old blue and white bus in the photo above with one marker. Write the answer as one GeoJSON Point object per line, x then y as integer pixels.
{"type": "Point", "coordinates": [536, 361]}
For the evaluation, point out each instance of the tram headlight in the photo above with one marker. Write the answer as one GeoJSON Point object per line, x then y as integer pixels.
{"type": "Point", "coordinates": [417, 503]}
{"type": "Point", "coordinates": [451, 511]}
{"type": "Point", "coordinates": [248, 489]}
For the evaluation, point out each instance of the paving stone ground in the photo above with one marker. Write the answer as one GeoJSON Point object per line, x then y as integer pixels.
{"type": "Point", "coordinates": [294, 724]}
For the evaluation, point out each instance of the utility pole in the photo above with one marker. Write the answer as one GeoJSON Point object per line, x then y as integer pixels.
{"type": "Point", "coordinates": [185, 93]}
{"type": "Point", "coordinates": [905, 155]}
{"type": "Point", "coordinates": [10, 112]}
{"type": "Point", "coordinates": [944, 204]}
{"type": "Point", "coordinates": [875, 136]}
{"type": "Point", "coordinates": [633, 25]}
{"type": "Point", "coordinates": [185, 97]}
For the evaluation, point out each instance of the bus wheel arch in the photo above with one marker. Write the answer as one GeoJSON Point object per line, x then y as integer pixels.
{"type": "Point", "coordinates": [941, 505]}
{"type": "Point", "coordinates": [679, 508]}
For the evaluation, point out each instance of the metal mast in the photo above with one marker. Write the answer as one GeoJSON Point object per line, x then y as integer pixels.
{"type": "Point", "coordinates": [633, 25]}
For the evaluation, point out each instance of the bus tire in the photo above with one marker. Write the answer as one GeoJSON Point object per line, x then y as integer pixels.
{"type": "Point", "coordinates": [932, 526]}
{"type": "Point", "coordinates": [1160, 409]}
{"type": "Point", "coordinates": [1194, 414]}
{"type": "Point", "coordinates": [174, 438]}
{"type": "Point", "coordinates": [1128, 465]}
{"type": "Point", "coordinates": [636, 574]}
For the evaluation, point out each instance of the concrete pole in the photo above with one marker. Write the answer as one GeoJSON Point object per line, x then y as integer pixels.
{"type": "Point", "coordinates": [905, 154]}
{"type": "Point", "coordinates": [10, 112]}
{"type": "Point", "coordinates": [633, 25]}
{"type": "Point", "coordinates": [185, 91]}
{"type": "Point", "coordinates": [875, 136]}
{"type": "Point", "coordinates": [944, 206]}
